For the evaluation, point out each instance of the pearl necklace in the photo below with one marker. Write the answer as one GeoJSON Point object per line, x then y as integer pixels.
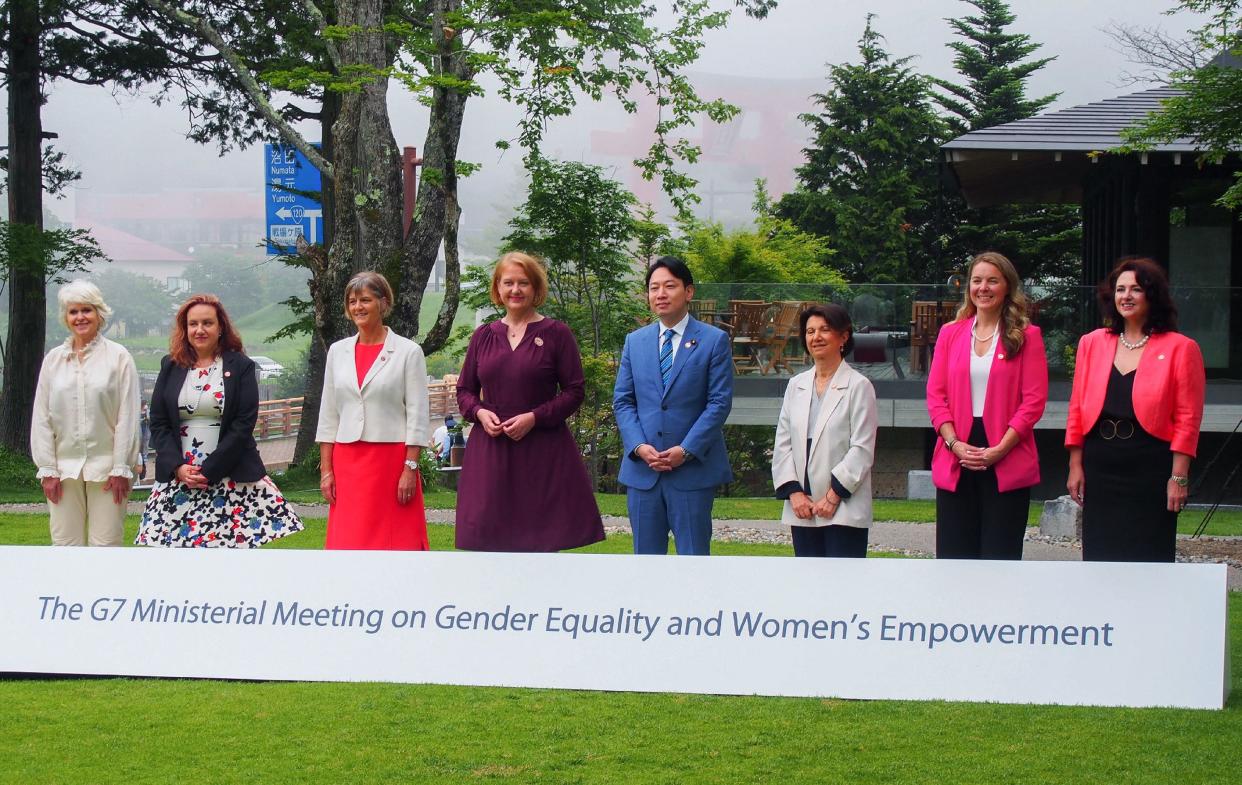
{"type": "Point", "coordinates": [1137, 345]}
{"type": "Point", "coordinates": [975, 335]}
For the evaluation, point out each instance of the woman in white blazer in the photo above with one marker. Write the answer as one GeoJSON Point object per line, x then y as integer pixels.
{"type": "Point", "coordinates": [373, 424]}
{"type": "Point", "coordinates": [825, 443]}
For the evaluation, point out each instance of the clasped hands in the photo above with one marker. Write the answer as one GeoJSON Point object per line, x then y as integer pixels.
{"type": "Point", "coordinates": [661, 461]}
{"type": "Point", "coordinates": [515, 427]}
{"type": "Point", "coordinates": [806, 509]}
{"type": "Point", "coordinates": [976, 458]}
{"type": "Point", "coordinates": [192, 477]}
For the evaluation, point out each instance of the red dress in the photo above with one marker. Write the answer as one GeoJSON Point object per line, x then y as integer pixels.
{"type": "Point", "coordinates": [366, 515]}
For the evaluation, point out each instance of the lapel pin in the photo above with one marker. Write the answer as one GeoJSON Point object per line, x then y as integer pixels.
{"type": "Point", "coordinates": [227, 374]}
{"type": "Point", "coordinates": [1160, 357]}
{"type": "Point", "coordinates": [691, 344]}
{"type": "Point", "coordinates": [1000, 356]}
{"type": "Point", "coordinates": [538, 341]}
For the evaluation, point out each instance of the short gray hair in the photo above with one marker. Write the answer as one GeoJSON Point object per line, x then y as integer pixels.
{"type": "Point", "coordinates": [82, 292]}
{"type": "Point", "coordinates": [373, 282]}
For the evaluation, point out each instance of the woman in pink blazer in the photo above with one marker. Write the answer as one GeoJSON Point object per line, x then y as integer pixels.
{"type": "Point", "coordinates": [986, 390]}
{"type": "Point", "coordinates": [1133, 422]}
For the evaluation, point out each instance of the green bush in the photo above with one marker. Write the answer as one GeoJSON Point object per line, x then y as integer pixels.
{"type": "Point", "coordinates": [17, 471]}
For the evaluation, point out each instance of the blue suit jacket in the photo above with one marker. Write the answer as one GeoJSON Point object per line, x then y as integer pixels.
{"type": "Point", "coordinates": [691, 412]}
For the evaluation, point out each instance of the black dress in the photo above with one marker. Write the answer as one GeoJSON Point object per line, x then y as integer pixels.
{"type": "Point", "coordinates": [1125, 513]}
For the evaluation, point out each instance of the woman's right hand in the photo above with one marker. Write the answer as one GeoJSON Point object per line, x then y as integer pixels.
{"type": "Point", "coordinates": [52, 489]}
{"type": "Point", "coordinates": [489, 421]}
{"type": "Point", "coordinates": [327, 487]}
{"type": "Point", "coordinates": [801, 505]}
{"type": "Point", "coordinates": [191, 477]}
{"type": "Point", "coordinates": [1075, 483]}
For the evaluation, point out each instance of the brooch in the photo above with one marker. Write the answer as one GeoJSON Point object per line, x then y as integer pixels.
{"type": "Point", "coordinates": [538, 341]}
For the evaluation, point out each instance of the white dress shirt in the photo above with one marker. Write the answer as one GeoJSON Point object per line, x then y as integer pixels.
{"type": "Point", "coordinates": [85, 420]}
{"type": "Point", "coordinates": [679, 329]}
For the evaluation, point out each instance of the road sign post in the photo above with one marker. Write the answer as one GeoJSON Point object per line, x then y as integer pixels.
{"type": "Point", "coordinates": [290, 210]}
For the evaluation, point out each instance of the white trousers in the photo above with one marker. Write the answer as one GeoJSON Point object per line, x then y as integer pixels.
{"type": "Point", "coordinates": [82, 502]}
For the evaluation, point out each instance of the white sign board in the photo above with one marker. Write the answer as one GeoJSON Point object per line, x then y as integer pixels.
{"type": "Point", "coordinates": [1020, 632]}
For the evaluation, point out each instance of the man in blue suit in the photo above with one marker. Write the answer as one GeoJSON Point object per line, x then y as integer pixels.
{"type": "Point", "coordinates": [674, 391]}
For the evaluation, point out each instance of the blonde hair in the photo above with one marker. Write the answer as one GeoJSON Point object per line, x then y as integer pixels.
{"type": "Point", "coordinates": [373, 282]}
{"type": "Point", "coordinates": [534, 271]}
{"type": "Point", "coordinates": [1014, 318]}
{"type": "Point", "coordinates": [82, 292]}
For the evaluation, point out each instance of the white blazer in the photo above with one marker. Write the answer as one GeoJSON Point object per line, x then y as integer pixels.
{"type": "Point", "coordinates": [391, 406]}
{"type": "Point", "coordinates": [842, 444]}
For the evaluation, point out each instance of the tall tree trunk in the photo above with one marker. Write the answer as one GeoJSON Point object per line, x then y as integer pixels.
{"type": "Point", "coordinates": [23, 346]}
{"type": "Point", "coordinates": [437, 205]}
{"type": "Point", "coordinates": [318, 352]}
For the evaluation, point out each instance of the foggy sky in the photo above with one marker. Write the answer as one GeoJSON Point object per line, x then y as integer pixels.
{"type": "Point", "coordinates": [125, 144]}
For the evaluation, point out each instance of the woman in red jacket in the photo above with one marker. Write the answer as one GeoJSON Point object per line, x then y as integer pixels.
{"type": "Point", "coordinates": [1133, 422]}
{"type": "Point", "coordinates": [987, 388]}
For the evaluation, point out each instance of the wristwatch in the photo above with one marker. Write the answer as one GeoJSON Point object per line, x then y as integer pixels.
{"type": "Point", "coordinates": [1181, 480]}
{"type": "Point", "coordinates": [411, 465]}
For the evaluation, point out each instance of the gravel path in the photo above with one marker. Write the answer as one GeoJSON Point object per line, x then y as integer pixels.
{"type": "Point", "coordinates": [909, 539]}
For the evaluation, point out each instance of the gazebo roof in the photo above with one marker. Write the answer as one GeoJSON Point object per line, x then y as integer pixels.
{"type": "Point", "coordinates": [1084, 128]}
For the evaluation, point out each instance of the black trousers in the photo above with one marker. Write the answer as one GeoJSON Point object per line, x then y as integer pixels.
{"type": "Point", "coordinates": [977, 521]}
{"type": "Point", "coordinates": [836, 541]}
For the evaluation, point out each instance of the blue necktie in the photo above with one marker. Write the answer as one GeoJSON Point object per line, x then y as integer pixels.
{"type": "Point", "coordinates": [666, 355]}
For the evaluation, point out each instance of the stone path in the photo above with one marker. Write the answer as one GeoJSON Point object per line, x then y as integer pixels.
{"type": "Point", "coordinates": [912, 539]}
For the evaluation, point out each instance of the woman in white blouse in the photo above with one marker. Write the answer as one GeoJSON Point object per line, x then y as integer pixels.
{"type": "Point", "coordinates": [825, 443]}
{"type": "Point", "coordinates": [84, 429]}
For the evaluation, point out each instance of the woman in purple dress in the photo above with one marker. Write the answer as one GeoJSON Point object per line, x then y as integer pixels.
{"type": "Point", "coordinates": [524, 486]}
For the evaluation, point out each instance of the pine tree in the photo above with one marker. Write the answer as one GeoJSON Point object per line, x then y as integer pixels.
{"type": "Point", "coordinates": [990, 58]}
{"type": "Point", "coordinates": [870, 181]}
{"type": "Point", "coordinates": [1043, 241]}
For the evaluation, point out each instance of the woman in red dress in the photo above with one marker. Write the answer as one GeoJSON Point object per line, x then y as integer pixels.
{"type": "Point", "coordinates": [373, 423]}
{"type": "Point", "coordinates": [524, 486]}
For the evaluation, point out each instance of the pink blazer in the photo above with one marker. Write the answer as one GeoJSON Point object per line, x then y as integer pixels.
{"type": "Point", "coordinates": [1017, 393]}
{"type": "Point", "coordinates": [1168, 388]}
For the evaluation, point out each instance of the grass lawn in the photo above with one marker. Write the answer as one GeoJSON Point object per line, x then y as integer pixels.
{"type": "Point", "coordinates": [166, 730]}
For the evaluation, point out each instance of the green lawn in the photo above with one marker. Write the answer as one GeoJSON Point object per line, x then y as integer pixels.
{"type": "Point", "coordinates": [136, 731]}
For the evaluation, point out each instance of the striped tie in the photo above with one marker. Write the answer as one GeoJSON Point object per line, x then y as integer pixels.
{"type": "Point", "coordinates": [666, 355]}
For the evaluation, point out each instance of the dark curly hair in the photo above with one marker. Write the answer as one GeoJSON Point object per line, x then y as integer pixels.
{"type": "Point", "coordinates": [1161, 312]}
{"type": "Point", "coordinates": [835, 316]}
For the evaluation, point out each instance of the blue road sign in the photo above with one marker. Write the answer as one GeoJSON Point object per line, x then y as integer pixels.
{"type": "Point", "coordinates": [290, 214]}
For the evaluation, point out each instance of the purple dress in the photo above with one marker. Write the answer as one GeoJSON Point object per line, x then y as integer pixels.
{"type": "Point", "coordinates": [533, 494]}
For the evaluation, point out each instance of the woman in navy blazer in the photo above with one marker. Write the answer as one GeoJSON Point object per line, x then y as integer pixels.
{"type": "Point", "coordinates": [987, 388]}
{"type": "Point", "coordinates": [211, 489]}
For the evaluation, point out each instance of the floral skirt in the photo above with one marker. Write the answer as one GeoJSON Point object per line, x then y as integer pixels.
{"type": "Point", "coordinates": [226, 514]}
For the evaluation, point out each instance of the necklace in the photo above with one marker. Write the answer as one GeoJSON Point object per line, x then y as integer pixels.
{"type": "Point", "coordinates": [519, 327]}
{"type": "Point", "coordinates": [1137, 345]}
{"type": "Point", "coordinates": [983, 340]}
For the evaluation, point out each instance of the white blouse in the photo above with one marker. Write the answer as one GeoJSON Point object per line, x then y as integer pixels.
{"type": "Point", "coordinates": [980, 370]}
{"type": "Point", "coordinates": [86, 418]}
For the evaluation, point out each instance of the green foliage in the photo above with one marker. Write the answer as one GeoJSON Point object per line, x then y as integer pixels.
{"type": "Point", "coordinates": [870, 180]}
{"type": "Point", "coordinates": [1210, 110]}
{"type": "Point", "coordinates": [774, 251]}
{"type": "Point", "coordinates": [142, 303]}
{"type": "Point", "coordinates": [54, 254]}
{"type": "Point", "coordinates": [17, 472]}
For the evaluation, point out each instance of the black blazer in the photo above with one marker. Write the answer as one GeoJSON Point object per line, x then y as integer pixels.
{"type": "Point", "coordinates": [236, 456]}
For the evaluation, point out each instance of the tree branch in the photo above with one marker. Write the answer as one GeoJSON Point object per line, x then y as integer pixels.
{"type": "Point", "coordinates": [316, 14]}
{"type": "Point", "coordinates": [248, 83]}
